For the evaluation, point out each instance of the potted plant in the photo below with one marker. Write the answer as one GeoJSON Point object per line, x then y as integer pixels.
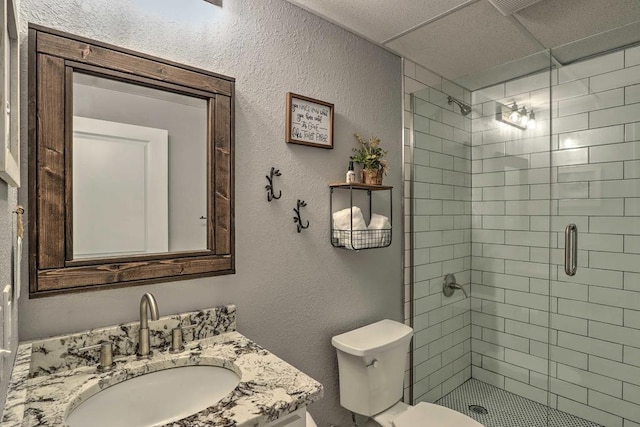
{"type": "Point", "coordinates": [370, 156]}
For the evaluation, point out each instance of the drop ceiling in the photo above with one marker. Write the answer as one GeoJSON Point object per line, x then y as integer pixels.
{"type": "Point", "coordinates": [464, 40]}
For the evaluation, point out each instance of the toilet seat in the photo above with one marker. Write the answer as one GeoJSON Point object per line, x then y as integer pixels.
{"type": "Point", "coordinates": [430, 415]}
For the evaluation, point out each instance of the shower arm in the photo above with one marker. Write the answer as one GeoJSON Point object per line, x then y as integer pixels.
{"type": "Point", "coordinates": [464, 108]}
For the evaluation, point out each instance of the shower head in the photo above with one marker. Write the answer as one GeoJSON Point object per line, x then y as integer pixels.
{"type": "Point", "coordinates": [464, 108]}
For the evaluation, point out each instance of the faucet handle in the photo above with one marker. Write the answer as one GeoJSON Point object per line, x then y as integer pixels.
{"type": "Point", "coordinates": [176, 340]}
{"type": "Point", "coordinates": [177, 337]}
{"type": "Point", "coordinates": [106, 355]}
{"type": "Point", "coordinates": [450, 285]}
{"type": "Point", "coordinates": [458, 287]}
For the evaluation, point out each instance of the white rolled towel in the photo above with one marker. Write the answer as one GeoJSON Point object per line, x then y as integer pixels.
{"type": "Point", "coordinates": [380, 222]}
{"type": "Point", "coordinates": [342, 221]}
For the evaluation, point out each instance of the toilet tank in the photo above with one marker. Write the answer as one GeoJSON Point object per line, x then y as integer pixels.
{"type": "Point", "coordinates": [371, 365]}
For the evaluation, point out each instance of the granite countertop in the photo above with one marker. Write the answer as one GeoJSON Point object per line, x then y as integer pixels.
{"type": "Point", "coordinates": [44, 389]}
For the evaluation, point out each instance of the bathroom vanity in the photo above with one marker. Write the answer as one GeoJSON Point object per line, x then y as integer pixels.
{"type": "Point", "coordinates": [52, 377]}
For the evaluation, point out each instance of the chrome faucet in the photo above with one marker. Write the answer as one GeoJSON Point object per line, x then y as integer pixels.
{"type": "Point", "coordinates": [147, 304]}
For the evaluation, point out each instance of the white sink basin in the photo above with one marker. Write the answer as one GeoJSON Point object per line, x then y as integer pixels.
{"type": "Point", "coordinates": [156, 398]}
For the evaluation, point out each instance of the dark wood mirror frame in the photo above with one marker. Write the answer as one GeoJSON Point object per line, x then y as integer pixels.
{"type": "Point", "coordinates": [53, 57]}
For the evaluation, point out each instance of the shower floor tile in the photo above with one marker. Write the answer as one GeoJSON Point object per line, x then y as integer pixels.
{"type": "Point", "coordinates": [507, 409]}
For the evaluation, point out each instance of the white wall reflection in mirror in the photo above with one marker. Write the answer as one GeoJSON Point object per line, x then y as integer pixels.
{"type": "Point", "coordinates": [191, 12]}
{"type": "Point", "coordinates": [139, 169]}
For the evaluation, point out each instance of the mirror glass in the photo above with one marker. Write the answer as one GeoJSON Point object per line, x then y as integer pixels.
{"type": "Point", "coordinates": [139, 165]}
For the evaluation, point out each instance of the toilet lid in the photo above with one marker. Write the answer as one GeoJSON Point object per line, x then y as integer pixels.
{"type": "Point", "coordinates": [427, 415]}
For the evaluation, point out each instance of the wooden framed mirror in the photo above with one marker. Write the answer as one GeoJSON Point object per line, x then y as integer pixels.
{"type": "Point", "coordinates": [130, 167]}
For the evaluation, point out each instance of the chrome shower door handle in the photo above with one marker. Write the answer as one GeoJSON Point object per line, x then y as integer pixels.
{"type": "Point", "coordinates": [571, 249]}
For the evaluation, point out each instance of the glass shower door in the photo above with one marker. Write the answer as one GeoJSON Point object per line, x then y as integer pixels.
{"type": "Point", "coordinates": [595, 313]}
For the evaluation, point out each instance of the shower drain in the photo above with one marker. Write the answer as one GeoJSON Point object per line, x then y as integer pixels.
{"type": "Point", "coordinates": [477, 409]}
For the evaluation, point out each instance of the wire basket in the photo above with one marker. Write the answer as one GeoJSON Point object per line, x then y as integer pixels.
{"type": "Point", "coordinates": [361, 239]}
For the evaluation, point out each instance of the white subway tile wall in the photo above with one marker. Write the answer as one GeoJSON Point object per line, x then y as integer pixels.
{"type": "Point", "coordinates": [528, 318]}
{"type": "Point", "coordinates": [441, 164]}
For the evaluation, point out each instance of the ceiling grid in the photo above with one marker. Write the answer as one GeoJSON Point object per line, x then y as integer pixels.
{"type": "Point", "coordinates": [462, 39]}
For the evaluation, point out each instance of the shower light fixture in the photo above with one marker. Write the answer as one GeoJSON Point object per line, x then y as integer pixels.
{"type": "Point", "coordinates": [514, 116]}
{"type": "Point", "coordinates": [532, 120]}
{"type": "Point", "coordinates": [524, 118]}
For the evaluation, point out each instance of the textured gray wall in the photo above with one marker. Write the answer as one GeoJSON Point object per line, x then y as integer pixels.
{"type": "Point", "coordinates": [293, 291]}
{"type": "Point", "coordinates": [8, 198]}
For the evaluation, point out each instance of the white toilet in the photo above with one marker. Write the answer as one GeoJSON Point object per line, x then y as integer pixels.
{"type": "Point", "coordinates": [371, 363]}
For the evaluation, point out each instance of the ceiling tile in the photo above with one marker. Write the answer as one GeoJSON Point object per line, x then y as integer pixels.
{"type": "Point", "coordinates": [507, 71]}
{"type": "Point", "coordinates": [598, 43]}
{"type": "Point", "coordinates": [378, 20]}
{"type": "Point", "coordinates": [471, 39]}
{"type": "Point", "coordinates": [556, 23]}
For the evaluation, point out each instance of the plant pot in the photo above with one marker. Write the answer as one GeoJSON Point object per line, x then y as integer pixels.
{"type": "Point", "coordinates": [371, 177]}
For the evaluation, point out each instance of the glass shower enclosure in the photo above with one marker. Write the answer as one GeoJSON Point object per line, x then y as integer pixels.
{"type": "Point", "coordinates": [524, 243]}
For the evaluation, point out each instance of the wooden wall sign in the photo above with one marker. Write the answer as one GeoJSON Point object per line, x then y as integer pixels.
{"type": "Point", "coordinates": [309, 121]}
